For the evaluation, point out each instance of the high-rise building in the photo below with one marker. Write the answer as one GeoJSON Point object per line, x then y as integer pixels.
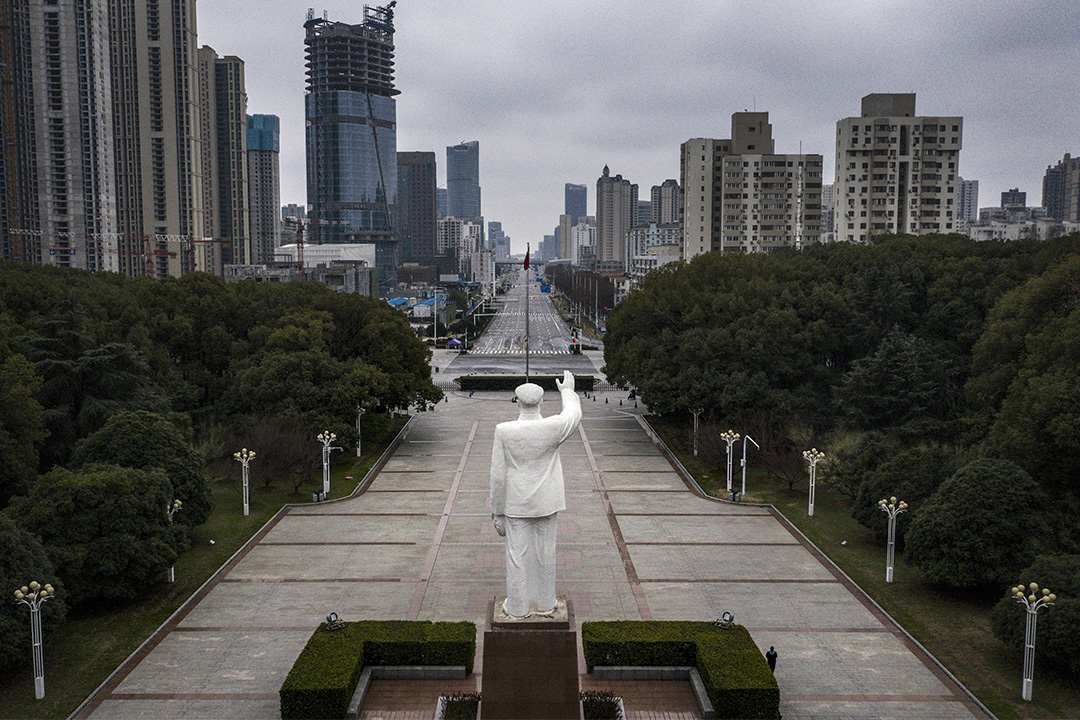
{"type": "Point", "coordinates": [575, 201]}
{"type": "Point", "coordinates": [228, 146]}
{"type": "Point", "coordinates": [352, 134]}
{"type": "Point", "coordinates": [1061, 190]}
{"type": "Point", "coordinates": [463, 180]}
{"type": "Point", "coordinates": [158, 134]}
{"type": "Point", "coordinates": [896, 172]}
{"type": "Point", "coordinates": [440, 202]}
{"type": "Point", "coordinates": [58, 174]}
{"type": "Point", "coordinates": [665, 204]}
{"type": "Point", "coordinates": [500, 241]}
{"type": "Point", "coordinates": [1014, 198]}
{"type": "Point", "coordinates": [292, 210]}
{"type": "Point", "coordinates": [417, 211]}
{"type": "Point", "coordinates": [264, 185]}
{"type": "Point", "coordinates": [827, 206]}
{"type": "Point", "coordinates": [967, 203]}
{"type": "Point", "coordinates": [644, 213]}
{"type": "Point", "coordinates": [562, 236]}
{"type": "Point", "coordinates": [616, 211]}
{"type": "Point", "coordinates": [739, 194]}
{"type": "Point", "coordinates": [548, 248]}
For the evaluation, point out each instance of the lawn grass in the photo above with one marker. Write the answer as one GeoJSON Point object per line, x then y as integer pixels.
{"type": "Point", "coordinates": [954, 627]}
{"type": "Point", "coordinates": [94, 641]}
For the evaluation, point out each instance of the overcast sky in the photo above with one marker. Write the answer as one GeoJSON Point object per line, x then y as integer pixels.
{"type": "Point", "coordinates": [555, 90]}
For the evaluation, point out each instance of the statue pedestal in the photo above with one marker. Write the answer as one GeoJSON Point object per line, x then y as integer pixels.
{"type": "Point", "coordinates": [530, 666]}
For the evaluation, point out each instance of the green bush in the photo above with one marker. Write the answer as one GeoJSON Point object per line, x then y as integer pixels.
{"type": "Point", "coordinates": [324, 677]}
{"type": "Point", "coordinates": [599, 705]}
{"type": "Point", "coordinates": [736, 676]}
{"type": "Point", "coordinates": [510, 382]}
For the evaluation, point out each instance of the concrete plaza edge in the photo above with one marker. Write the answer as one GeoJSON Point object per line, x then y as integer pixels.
{"type": "Point", "coordinates": [865, 596]}
{"type": "Point", "coordinates": [123, 668]}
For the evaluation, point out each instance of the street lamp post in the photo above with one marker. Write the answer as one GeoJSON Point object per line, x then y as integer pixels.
{"type": "Point", "coordinates": [359, 412]}
{"type": "Point", "coordinates": [1033, 603]}
{"type": "Point", "coordinates": [745, 438]}
{"type": "Point", "coordinates": [893, 508]}
{"type": "Point", "coordinates": [730, 437]}
{"type": "Point", "coordinates": [244, 458]}
{"type": "Point", "coordinates": [326, 438]}
{"type": "Point", "coordinates": [697, 414]}
{"type": "Point", "coordinates": [169, 512]}
{"type": "Point", "coordinates": [32, 597]}
{"type": "Point", "coordinates": [813, 456]}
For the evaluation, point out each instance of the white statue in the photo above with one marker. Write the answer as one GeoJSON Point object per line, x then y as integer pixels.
{"type": "Point", "coordinates": [527, 494]}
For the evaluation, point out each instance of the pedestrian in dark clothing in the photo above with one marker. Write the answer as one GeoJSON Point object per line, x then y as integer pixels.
{"type": "Point", "coordinates": [770, 657]}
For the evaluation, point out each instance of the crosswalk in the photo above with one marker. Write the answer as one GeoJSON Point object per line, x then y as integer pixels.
{"type": "Point", "coordinates": [503, 351]}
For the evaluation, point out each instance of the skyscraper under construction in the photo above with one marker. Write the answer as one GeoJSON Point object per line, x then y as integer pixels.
{"type": "Point", "coordinates": [351, 119]}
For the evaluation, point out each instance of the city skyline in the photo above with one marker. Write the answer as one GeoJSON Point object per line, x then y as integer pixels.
{"type": "Point", "coordinates": [558, 90]}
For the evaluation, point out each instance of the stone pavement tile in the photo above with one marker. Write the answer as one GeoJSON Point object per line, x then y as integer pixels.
{"type": "Point", "coordinates": [677, 503]}
{"type": "Point", "coordinates": [872, 710]}
{"type": "Point", "coordinates": [217, 662]}
{"type": "Point", "coordinates": [648, 699]}
{"type": "Point", "coordinates": [653, 462]}
{"type": "Point", "coordinates": [614, 447]}
{"type": "Point", "coordinates": [736, 562]}
{"type": "Point", "coordinates": [483, 562]}
{"type": "Point", "coordinates": [761, 607]}
{"type": "Point", "coordinates": [636, 481]}
{"type": "Point", "coordinates": [394, 481]}
{"type": "Point", "coordinates": [446, 460]}
{"type": "Point", "coordinates": [469, 600]}
{"type": "Point", "coordinates": [259, 604]}
{"type": "Point", "coordinates": [395, 699]}
{"type": "Point", "coordinates": [839, 664]}
{"type": "Point", "coordinates": [304, 528]}
{"type": "Point", "coordinates": [385, 502]}
{"type": "Point", "coordinates": [692, 529]}
{"type": "Point", "coordinates": [194, 708]}
{"type": "Point", "coordinates": [328, 562]}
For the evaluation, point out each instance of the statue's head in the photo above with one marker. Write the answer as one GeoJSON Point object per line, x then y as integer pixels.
{"type": "Point", "coordinates": [529, 396]}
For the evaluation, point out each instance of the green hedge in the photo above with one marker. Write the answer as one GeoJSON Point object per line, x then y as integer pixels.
{"type": "Point", "coordinates": [510, 382]}
{"type": "Point", "coordinates": [324, 677]}
{"type": "Point", "coordinates": [735, 674]}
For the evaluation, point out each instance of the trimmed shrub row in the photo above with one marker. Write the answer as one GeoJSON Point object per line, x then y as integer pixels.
{"type": "Point", "coordinates": [324, 676]}
{"type": "Point", "coordinates": [735, 674]}
{"type": "Point", "coordinates": [510, 382]}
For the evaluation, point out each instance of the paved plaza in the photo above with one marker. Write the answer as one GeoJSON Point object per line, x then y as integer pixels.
{"type": "Point", "coordinates": [635, 543]}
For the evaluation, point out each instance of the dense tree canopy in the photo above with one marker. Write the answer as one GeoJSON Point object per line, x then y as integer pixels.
{"type": "Point", "coordinates": [144, 440]}
{"type": "Point", "coordinates": [980, 527]}
{"type": "Point", "coordinates": [103, 527]}
{"type": "Point", "coordinates": [21, 427]}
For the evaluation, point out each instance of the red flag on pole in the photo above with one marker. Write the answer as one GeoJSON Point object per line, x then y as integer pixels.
{"type": "Point", "coordinates": [526, 258]}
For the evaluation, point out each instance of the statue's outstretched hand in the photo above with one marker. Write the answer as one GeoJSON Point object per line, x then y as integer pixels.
{"type": "Point", "coordinates": [500, 524]}
{"type": "Point", "coordinates": [567, 382]}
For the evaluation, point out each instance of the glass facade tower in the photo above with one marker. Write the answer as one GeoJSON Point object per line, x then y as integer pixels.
{"type": "Point", "coordinates": [351, 119]}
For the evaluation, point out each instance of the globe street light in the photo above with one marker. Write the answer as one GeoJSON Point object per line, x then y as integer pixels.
{"type": "Point", "coordinates": [697, 414]}
{"type": "Point", "coordinates": [326, 438]}
{"type": "Point", "coordinates": [893, 508]}
{"type": "Point", "coordinates": [745, 438]}
{"type": "Point", "coordinates": [32, 597]}
{"type": "Point", "coordinates": [1033, 601]}
{"type": "Point", "coordinates": [359, 413]}
{"type": "Point", "coordinates": [813, 456]}
{"type": "Point", "coordinates": [169, 512]}
{"type": "Point", "coordinates": [244, 458]}
{"type": "Point", "coordinates": [730, 437]}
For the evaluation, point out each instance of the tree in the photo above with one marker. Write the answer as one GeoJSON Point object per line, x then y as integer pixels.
{"type": "Point", "coordinates": [286, 450]}
{"type": "Point", "coordinates": [144, 440]}
{"type": "Point", "coordinates": [912, 475]}
{"type": "Point", "coordinates": [980, 527]}
{"type": "Point", "coordinates": [1059, 625]}
{"type": "Point", "coordinates": [21, 427]}
{"type": "Point", "coordinates": [851, 456]}
{"type": "Point", "coordinates": [906, 387]}
{"type": "Point", "coordinates": [104, 528]}
{"type": "Point", "coordinates": [22, 560]}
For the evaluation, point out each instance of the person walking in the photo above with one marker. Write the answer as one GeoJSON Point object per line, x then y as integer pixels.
{"type": "Point", "coordinates": [770, 657]}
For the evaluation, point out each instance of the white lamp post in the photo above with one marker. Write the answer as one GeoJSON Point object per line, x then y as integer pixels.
{"type": "Point", "coordinates": [893, 508]}
{"type": "Point", "coordinates": [32, 597]}
{"type": "Point", "coordinates": [1033, 602]}
{"type": "Point", "coordinates": [244, 458]}
{"type": "Point", "coordinates": [745, 438]}
{"type": "Point", "coordinates": [813, 456]}
{"type": "Point", "coordinates": [326, 438]}
{"type": "Point", "coordinates": [730, 438]}
{"type": "Point", "coordinates": [697, 413]}
{"type": "Point", "coordinates": [169, 512]}
{"type": "Point", "coordinates": [359, 412]}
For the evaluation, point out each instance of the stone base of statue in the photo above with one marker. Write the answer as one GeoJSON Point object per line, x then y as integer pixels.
{"type": "Point", "coordinates": [530, 666]}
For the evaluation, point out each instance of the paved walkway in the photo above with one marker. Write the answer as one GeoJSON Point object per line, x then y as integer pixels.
{"type": "Point", "coordinates": [635, 543]}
